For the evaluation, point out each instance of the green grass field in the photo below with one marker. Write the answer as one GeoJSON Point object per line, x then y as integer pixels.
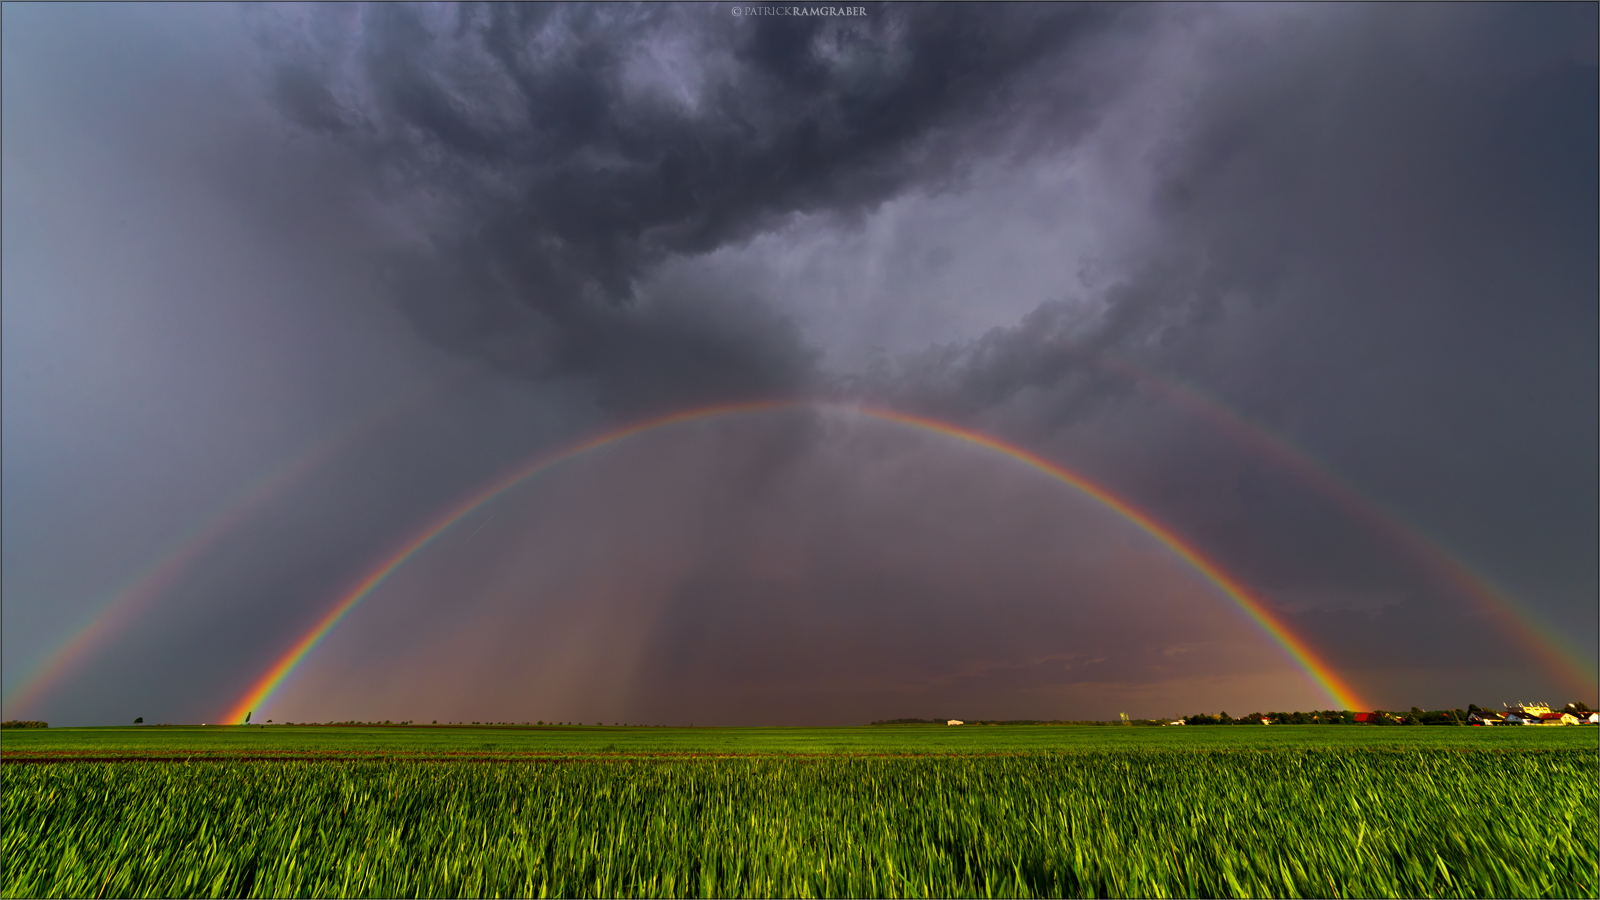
{"type": "Point", "coordinates": [900, 739]}
{"type": "Point", "coordinates": [888, 811]}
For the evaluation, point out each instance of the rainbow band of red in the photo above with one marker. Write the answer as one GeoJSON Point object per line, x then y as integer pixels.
{"type": "Point", "coordinates": [1339, 692]}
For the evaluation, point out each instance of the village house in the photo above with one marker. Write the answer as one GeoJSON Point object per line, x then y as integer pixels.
{"type": "Point", "coordinates": [955, 722]}
{"type": "Point", "coordinates": [1537, 714]}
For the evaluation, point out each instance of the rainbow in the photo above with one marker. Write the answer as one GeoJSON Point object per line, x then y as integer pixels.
{"type": "Point", "coordinates": [1545, 644]}
{"type": "Point", "coordinates": [260, 692]}
{"type": "Point", "coordinates": [138, 592]}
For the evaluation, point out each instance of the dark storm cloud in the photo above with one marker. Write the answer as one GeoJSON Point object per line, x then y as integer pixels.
{"type": "Point", "coordinates": [567, 166]}
{"type": "Point", "coordinates": [1371, 229]}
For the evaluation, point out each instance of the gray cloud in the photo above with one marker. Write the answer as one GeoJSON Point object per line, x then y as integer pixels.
{"type": "Point", "coordinates": [570, 161]}
{"type": "Point", "coordinates": [1392, 264]}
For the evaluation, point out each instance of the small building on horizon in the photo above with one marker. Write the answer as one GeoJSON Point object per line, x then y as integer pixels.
{"type": "Point", "coordinates": [955, 722]}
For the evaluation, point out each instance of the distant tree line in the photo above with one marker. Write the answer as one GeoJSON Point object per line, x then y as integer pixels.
{"type": "Point", "coordinates": [435, 722]}
{"type": "Point", "coordinates": [18, 723]}
{"type": "Point", "coordinates": [1020, 722]}
{"type": "Point", "coordinates": [1315, 717]}
{"type": "Point", "coordinates": [1415, 716]}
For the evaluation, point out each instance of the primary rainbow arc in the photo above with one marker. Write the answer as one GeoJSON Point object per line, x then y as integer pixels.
{"type": "Point", "coordinates": [1336, 689]}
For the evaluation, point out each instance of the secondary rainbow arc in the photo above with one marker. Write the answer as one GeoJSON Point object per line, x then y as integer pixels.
{"type": "Point", "coordinates": [262, 689]}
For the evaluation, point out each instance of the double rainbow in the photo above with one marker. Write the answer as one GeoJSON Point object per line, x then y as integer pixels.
{"type": "Point", "coordinates": [1340, 694]}
{"type": "Point", "coordinates": [138, 593]}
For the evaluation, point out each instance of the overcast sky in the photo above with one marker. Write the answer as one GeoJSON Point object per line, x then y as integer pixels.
{"type": "Point", "coordinates": [1312, 286]}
